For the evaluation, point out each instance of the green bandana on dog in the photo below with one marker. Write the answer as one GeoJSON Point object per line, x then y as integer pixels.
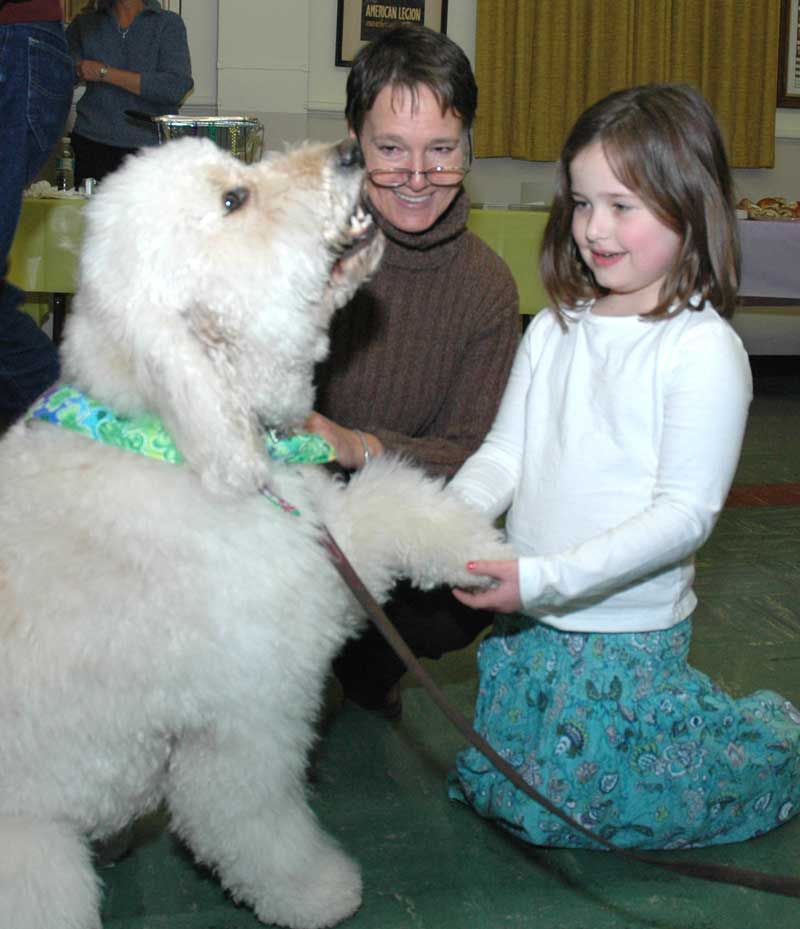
{"type": "Point", "coordinates": [66, 406]}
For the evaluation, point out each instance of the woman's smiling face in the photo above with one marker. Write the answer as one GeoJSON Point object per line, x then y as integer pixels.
{"type": "Point", "coordinates": [400, 131]}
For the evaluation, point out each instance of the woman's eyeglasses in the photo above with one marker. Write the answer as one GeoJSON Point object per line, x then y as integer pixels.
{"type": "Point", "coordinates": [438, 176]}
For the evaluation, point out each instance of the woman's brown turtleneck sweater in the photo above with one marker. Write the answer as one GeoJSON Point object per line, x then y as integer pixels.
{"type": "Point", "coordinates": [421, 354]}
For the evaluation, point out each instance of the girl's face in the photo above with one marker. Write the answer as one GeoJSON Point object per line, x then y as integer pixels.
{"type": "Point", "coordinates": [625, 245]}
{"type": "Point", "coordinates": [396, 134]}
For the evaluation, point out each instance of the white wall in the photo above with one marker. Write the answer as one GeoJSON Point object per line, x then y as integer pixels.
{"type": "Point", "coordinates": [275, 59]}
{"type": "Point", "coordinates": [263, 55]}
{"type": "Point", "coordinates": [200, 18]}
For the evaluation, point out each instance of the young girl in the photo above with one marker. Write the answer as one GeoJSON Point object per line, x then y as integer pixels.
{"type": "Point", "coordinates": [615, 447]}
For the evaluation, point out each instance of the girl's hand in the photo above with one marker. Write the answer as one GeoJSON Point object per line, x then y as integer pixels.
{"type": "Point", "coordinates": [346, 442]}
{"type": "Point", "coordinates": [503, 597]}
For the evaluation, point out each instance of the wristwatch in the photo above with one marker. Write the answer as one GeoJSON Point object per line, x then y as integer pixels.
{"type": "Point", "coordinates": [103, 71]}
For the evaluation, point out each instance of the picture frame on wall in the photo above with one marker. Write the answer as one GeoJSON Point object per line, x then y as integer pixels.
{"type": "Point", "coordinates": [789, 55]}
{"type": "Point", "coordinates": [360, 21]}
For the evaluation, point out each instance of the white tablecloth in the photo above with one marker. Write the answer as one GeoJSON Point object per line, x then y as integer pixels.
{"type": "Point", "coordinates": [770, 259]}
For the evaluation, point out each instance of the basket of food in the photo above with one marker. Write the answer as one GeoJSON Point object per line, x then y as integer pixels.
{"type": "Point", "coordinates": [242, 136]}
{"type": "Point", "coordinates": [770, 208]}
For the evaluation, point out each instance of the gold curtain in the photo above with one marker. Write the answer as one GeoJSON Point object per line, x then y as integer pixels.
{"type": "Point", "coordinates": [540, 63]}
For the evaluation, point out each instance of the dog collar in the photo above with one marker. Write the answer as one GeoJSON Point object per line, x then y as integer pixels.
{"type": "Point", "coordinates": [64, 405]}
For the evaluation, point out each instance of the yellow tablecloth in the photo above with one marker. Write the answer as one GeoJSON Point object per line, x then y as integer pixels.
{"type": "Point", "coordinates": [516, 236]}
{"type": "Point", "coordinates": [44, 253]}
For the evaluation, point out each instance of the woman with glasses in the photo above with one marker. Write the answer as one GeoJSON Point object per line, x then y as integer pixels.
{"type": "Point", "coordinates": [130, 55]}
{"type": "Point", "coordinates": [420, 356]}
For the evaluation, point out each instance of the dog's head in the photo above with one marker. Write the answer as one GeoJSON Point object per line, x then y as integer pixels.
{"type": "Point", "coordinates": [207, 287]}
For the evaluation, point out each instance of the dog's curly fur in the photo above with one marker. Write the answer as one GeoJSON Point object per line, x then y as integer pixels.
{"type": "Point", "coordinates": [165, 632]}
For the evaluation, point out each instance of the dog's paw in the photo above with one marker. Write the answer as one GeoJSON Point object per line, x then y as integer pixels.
{"type": "Point", "coordinates": [332, 894]}
{"type": "Point", "coordinates": [469, 581]}
{"type": "Point", "coordinates": [451, 570]}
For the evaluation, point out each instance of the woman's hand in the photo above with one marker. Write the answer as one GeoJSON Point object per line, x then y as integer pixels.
{"type": "Point", "coordinates": [89, 70]}
{"type": "Point", "coordinates": [503, 597]}
{"type": "Point", "coordinates": [346, 442]}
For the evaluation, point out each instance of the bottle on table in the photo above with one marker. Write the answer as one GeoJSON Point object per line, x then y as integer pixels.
{"type": "Point", "coordinates": [65, 166]}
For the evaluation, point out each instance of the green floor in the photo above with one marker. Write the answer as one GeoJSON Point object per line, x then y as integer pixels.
{"type": "Point", "coordinates": [431, 864]}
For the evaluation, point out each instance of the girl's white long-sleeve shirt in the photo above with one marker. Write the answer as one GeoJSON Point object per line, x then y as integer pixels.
{"type": "Point", "coordinates": [615, 446]}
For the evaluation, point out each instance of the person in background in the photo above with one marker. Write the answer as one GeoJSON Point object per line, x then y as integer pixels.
{"type": "Point", "coordinates": [421, 354]}
{"type": "Point", "coordinates": [35, 94]}
{"type": "Point", "coordinates": [615, 447]}
{"type": "Point", "coordinates": [132, 55]}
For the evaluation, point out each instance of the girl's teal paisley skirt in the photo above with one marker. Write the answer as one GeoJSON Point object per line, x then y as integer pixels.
{"type": "Point", "coordinates": [622, 734]}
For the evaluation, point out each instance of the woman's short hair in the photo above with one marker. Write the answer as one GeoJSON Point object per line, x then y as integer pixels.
{"type": "Point", "coordinates": [409, 56]}
{"type": "Point", "coordinates": [663, 143]}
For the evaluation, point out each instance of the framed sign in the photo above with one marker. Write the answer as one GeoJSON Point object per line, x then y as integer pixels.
{"type": "Point", "coordinates": [361, 21]}
{"type": "Point", "coordinates": [789, 55]}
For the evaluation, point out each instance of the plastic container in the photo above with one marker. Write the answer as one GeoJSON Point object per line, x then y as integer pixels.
{"type": "Point", "coordinates": [242, 136]}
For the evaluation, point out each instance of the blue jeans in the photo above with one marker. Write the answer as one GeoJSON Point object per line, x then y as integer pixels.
{"type": "Point", "coordinates": [36, 81]}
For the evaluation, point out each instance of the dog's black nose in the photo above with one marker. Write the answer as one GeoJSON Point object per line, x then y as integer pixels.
{"type": "Point", "coordinates": [349, 152]}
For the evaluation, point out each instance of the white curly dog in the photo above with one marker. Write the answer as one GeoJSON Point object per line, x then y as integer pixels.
{"type": "Point", "coordinates": [166, 630]}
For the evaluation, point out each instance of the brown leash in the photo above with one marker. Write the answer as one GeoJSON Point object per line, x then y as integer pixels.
{"type": "Point", "coordinates": [771, 883]}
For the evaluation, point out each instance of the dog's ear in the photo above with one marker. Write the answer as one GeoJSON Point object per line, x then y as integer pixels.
{"type": "Point", "coordinates": [190, 376]}
{"type": "Point", "coordinates": [181, 367]}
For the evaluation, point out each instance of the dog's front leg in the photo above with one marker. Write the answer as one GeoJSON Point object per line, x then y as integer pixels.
{"type": "Point", "coordinates": [237, 797]}
{"type": "Point", "coordinates": [393, 521]}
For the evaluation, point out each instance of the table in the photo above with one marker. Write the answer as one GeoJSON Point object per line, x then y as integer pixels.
{"type": "Point", "coordinates": [770, 255]}
{"type": "Point", "coordinates": [516, 236]}
{"type": "Point", "coordinates": [770, 261]}
{"type": "Point", "coordinates": [45, 250]}
{"type": "Point", "coordinates": [44, 253]}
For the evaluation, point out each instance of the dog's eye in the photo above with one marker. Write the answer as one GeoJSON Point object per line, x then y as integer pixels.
{"type": "Point", "coordinates": [235, 198]}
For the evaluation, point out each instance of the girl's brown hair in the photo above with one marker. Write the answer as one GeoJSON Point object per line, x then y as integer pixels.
{"type": "Point", "coordinates": [663, 143]}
